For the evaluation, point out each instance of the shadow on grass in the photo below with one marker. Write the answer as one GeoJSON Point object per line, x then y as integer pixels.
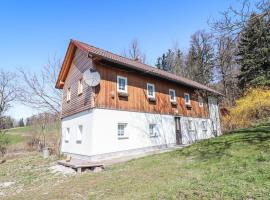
{"type": "Point", "coordinates": [221, 146]}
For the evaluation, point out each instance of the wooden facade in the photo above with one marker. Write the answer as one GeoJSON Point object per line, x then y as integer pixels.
{"type": "Point", "coordinates": [105, 94]}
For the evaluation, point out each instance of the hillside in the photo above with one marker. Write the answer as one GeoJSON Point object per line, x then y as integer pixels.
{"type": "Point", "coordinates": [234, 166]}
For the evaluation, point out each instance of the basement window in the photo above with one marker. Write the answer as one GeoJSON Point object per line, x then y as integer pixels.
{"type": "Point", "coordinates": [68, 95]}
{"type": "Point", "coordinates": [121, 131]}
{"type": "Point", "coordinates": [79, 134]}
{"type": "Point", "coordinates": [204, 127]}
{"type": "Point", "coordinates": [67, 135]}
{"type": "Point", "coordinates": [153, 130]}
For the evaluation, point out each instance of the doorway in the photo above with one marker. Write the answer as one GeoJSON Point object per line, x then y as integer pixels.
{"type": "Point", "coordinates": [178, 131]}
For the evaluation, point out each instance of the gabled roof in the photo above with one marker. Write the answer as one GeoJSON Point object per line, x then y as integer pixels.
{"type": "Point", "coordinates": [126, 62]}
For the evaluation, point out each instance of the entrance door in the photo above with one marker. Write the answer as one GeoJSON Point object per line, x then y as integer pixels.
{"type": "Point", "coordinates": [214, 115]}
{"type": "Point", "coordinates": [178, 130]}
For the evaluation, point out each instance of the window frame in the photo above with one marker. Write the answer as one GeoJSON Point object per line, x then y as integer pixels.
{"type": "Point", "coordinates": [154, 91]}
{"type": "Point", "coordinates": [152, 131]}
{"type": "Point", "coordinates": [126, 84]}
{"type": "Point", "coordinates": [189, 102]}
{"type": "Point", "coordinates": [80, 86]}
{"type": "Point", "coordinates": [68, 97]}
{"type": "Point", "coordinates": [190, 125]}
{"type": "Point", "coordinates": [67, 134]}
{"type": "Point", "coordinates": [79, 133]}
{"type": "Point", "coordinates": [124, 135]}
{"type": "Point", "coordinates": [200, 101]}
{"type": "Point", "coordinates": [204, 128]}
{"type": "Point", "coordinates": [174, 92]}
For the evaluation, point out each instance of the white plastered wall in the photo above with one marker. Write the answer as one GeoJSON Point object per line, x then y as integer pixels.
{"type": "Point", "coordinates": [100, 131]}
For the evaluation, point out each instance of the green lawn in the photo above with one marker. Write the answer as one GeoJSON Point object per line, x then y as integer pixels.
{"type": "Point", "coordinates": [234, 166]}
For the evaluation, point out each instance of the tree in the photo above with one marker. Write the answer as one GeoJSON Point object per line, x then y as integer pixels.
{"type": "Point", "coordinates": [38, 91]}
{"type": "Point", "coordinates": [172, 61]}
{"type": "Point", "coordinates": [134, 52]}
{"type": "Point", "coordinates": [254, 53]}
{"type": "Point", "coordinates": [234, 20]}
{"type": "Point", "coordinates": [227, 68]}
{"type": "Point", "coordinates": [200, 59]}
{"type": "Point", "coordinates": [7, 95]}
{"type": "Point", "coordinates": [21, 123]}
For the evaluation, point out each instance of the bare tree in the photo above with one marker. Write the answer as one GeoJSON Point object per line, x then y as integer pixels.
{"type": "Point", "coordinates": [234, 20]}
{"type": "Point", "coordinates": [134, 52]}
{"type": "Point", "coordinates": [7, 91]}
{"type": "Point", "coordinates": [38, 90]}
{"type": "Point", "coordinates": [227, 68]}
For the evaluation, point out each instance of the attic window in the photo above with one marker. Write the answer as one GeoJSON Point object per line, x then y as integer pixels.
{"type": "Point", "coordinates": [122, 84]}
{"type": "Point", "coordinates": [150, 90]}
{"type": "Point", "coordinates": [200, 100]}
{"type": "Point", "coordinates": [187, 99]}
{"type": "Point", "coordinates": [80, 87]}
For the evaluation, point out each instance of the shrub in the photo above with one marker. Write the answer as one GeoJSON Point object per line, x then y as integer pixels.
{"type": "Point", "coordinates": [4, 141]}
{"type": "Point", "coordinates": [253, 107]}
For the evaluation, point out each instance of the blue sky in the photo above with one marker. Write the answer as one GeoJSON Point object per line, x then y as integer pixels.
{"type": "Point", "coordinates": [33, 31]}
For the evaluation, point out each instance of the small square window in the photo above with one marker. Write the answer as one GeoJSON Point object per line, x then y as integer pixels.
{"type": "Point", "coordinates": [200, 100]}
{"type": "Point", "coordinates": [121, 131]}
{"type": "Point", "coordinates": [204, 125]}
{"type": "Point", "coordinates": [68, 94]}
{"type": "Point", "coordinates": [190, 125]}
{"type": "Point", "coordinates": [152, 130]}
{"type": "Point", "coordinates": [79, 133]}
{"type": "Point", "coordinates": [121, 84]}
{"type": "Point", "coordinates": [150, 90]}
{"type": "Point", "coordinates": [172, 95]}
{"type": "Point", "coordinates": [67, 135]}
{"type": "Point", "coordinates": [187, 99]}
{"type": "Point", "coordinates": [80, 86]}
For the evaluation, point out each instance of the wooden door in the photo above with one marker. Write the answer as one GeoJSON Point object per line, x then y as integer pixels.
{"type": "Point", "coordinates": [178, 131]}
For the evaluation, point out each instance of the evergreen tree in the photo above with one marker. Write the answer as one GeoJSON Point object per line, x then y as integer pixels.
{"type": "Point", "coordinates": [254, 53]}
{"type": "Point", "coordinates": [21, 123]}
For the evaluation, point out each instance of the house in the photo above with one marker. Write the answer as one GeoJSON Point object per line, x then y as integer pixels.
{"type": "Point", "coordinates": [135, 108]}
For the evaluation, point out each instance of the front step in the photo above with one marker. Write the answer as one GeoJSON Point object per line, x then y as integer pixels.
{"type": "Point", "coordinates": [81, 165]}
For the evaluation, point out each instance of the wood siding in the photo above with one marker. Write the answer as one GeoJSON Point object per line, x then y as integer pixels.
{"type": "Point", "coordinates": [106, 95]}
{"type": "Point", "coordinates": [81, 102]}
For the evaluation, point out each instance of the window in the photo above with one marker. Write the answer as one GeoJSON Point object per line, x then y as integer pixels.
{"type": "Point", "coordinates": [190, 125]}
{"type": "Point", "coordinates": [68, 94]}
{"type": "Point", "coordinates": [67, 135]}
{"type": "Point", "coordinates": [200, 100]}
{"type": "Point", "coordinates": [79, 134]}
{"type": "Point", "coordinates": [172, 95]}
{"type": "Point", "coordinates": [152, 130]}
{"type": "Point", "coordinates": [80, 86]}
{"type": "Point", "coordinates": [204, 127]}
{"type": "Point", "coordinates": [187, 99]}
{"type": "Point", "coordinates": [150, 90]}
{"type": "Point", "coordinates": [121, 131]}
{"type": "Point", "coordinates": [121, 84]}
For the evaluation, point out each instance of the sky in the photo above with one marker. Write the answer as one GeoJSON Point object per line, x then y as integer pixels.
{"type": "Point", "coordinates": [31, 32]}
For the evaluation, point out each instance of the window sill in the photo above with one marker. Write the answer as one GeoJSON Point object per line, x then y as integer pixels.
{"type": "Point", "coordinates": [154, 136]}
{"type": "Point", "coordinates": [122, 94]}
{"type": "Point", "coordinates": [188, 106]}
{"type": "Point", "coordinates": [79, 94]}
{"type": "Point", "coordinates": [122, 138]}
{"type": "Point", "coordinates": [174, 103]}
{"type": "Point", "coordinates": [153, 99]}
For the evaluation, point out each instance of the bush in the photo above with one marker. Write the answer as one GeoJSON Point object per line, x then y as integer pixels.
{"type": "Point", "coordinates": [4, 141]}
{"type": "Point", "coordinates": [253, 107]}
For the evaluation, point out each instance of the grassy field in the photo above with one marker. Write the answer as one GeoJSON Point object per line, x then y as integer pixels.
{"type": "Point", "coordinates": [234, 166]}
